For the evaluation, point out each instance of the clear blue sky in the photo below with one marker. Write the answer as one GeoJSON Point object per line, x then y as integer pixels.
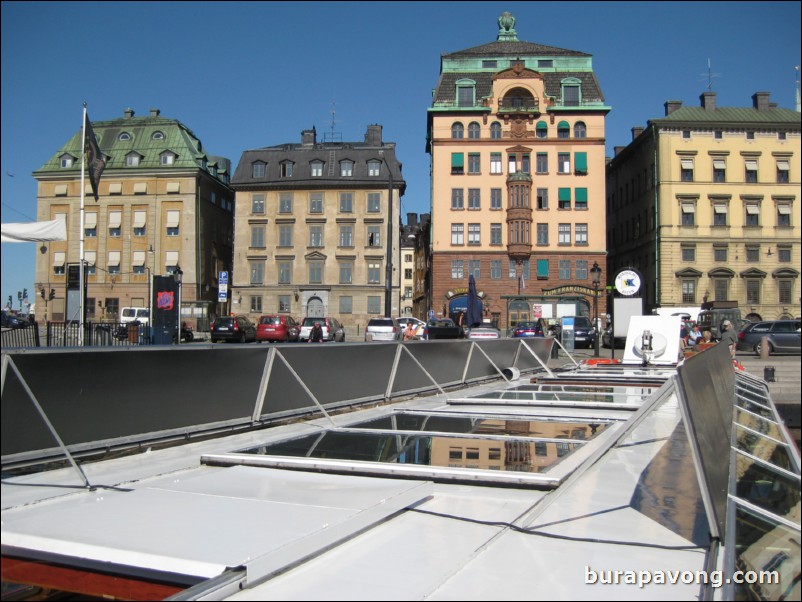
{"type": "Point", "coordinates": [245, 75]}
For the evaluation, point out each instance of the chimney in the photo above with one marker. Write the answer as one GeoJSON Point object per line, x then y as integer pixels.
{"type": "Point", "coordinates": [155, 112]}
{"type": "Point", "coordinates": [619, 150]}
{"type": "Point", "coordinates": [760, 101]}
{"type": "Point", "coordinates": [412, 219]}
{"type": "Point", "coordinates": [129, 112]}
{"type": "Point", "coordinates": [637, 131]}
{"type": "Point", "coordinates": [374, 135]}
{"type": "Point", "coordinates": [672, 105]}
{"type": "Point", "coordinates": [309, 137]}
{"type": "Point", "coordinates": [708, 101]}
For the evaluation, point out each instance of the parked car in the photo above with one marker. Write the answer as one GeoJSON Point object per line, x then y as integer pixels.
{"type": "Point", "coordinates": [550, 327]}
{"type": "Point", "coordinates": [443, 328]}
{"type": "Point", "coordinates": [420, 326]}
{"type": "Point", "coordinates": [527, 330]}
{"type": "Point", "coordinates": [783, 336]}
{"type": "Point", "coordinates": [14, 321]}
{"type": "Point", "coordinates": [332, 329]}
{"type": "Point", "coordinates": [486, 330]}
{"type": "Point", "coordinates": [584, 332]}
{"type": "Point", "coordinates": [382, 329]}
{"type": "Point", "coordinates": [233, 328]}
{"type": "Point", "coordinates": [607, 339]}
{"type": "Point", "coordinates": [281, 329]}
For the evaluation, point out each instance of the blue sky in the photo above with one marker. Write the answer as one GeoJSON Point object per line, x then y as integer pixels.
{"type": "Point", "coordinates": [244, 75]}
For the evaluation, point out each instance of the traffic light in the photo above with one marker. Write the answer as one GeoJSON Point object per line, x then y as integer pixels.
{"type": "Point", "coordinates": [10, 301]}
{"type": "Point", "coordinates": [25, 293]}
{"type": "Point", "coordinates": [52, 294]}
{"type": "Point", "coordinates": [42, 292]}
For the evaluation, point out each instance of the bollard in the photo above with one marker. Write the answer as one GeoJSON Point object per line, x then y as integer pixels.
{"type": "Point", "coordinates": [768, 374]}
{"type": "Point", "coordinates": [764, 348]}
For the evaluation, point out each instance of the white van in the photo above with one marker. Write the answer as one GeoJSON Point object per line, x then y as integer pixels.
{"type": "Point", "coordinates": [135, 314]}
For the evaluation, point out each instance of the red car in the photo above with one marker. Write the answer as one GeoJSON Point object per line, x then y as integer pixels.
{"type": "Point", "coordinates": [282, 329]}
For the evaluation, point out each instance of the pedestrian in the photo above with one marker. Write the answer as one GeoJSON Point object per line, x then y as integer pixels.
{"type": "Point", "coordinates": [316, 335]}
{"type": "Point", "coordinates": [729, 337]}
{"type": "Point", "coordinates": [409, 333]}
{"type": "Point", "coordinates": [694, 336]}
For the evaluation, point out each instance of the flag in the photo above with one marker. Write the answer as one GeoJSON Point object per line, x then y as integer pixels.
{"type": "Point", "coordinates": [523, 282]}
{"type": "Point", "coordinates": [95, 160]}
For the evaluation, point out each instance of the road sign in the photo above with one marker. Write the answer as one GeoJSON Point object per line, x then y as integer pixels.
{"type": "Point", "coordinates": [223, 278]}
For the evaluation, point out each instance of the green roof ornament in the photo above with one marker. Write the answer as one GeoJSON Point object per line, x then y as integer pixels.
{"type": "Point", "coordinates": [506, 28]}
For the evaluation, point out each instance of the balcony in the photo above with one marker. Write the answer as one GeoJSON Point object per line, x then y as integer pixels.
{"type": "Point", "coordinates": [518, 104]}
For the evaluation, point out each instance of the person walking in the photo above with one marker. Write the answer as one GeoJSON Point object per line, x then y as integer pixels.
{"type": "Point", "coordinates": [729, 337]}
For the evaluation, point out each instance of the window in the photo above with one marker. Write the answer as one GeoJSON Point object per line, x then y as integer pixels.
{"type": "Point", "coordinates": [783, 215]}
{"type": "Point", "coordinates": [751, 171]}
{"type": "Point", "coordinates": [374, 236]}
{"type": "Point", "coordinates": [542, 130]}
{"type": "Point", "coordinates": [563, 130]}
{"type": "Point", "coordinates": [316, 169]}
{"type": "Point", "coordinates": [124, 136]}
{"type": "Point", "coordinates": [407, 274]}
{"type": "Point", "coordinates": [316, 202]}
{"type": "Point", "coordinates": [688, 214]}
{"type": "Point", "coordinates": [686, 134]}
{"type": "Point", "coordinates": [783, 168]}
{"type": "Point", "coordinates": [457, 234]}
{"type": "Point", "coordinates": [495, 269]}
{"type": "Point", "coordinates": [495, 234]}
{"type": "Point", "coordinates": [512, 272]}
{"type": "Point", "coordinates": [581, 200]}
{"type": "Point", "coordinates": [457, 201]}
{"type": "Point", "coordinates": [563, 162]}
{"type": "Point", "coordinates": [580, 130]}
{"type": "Point", "coordinates": [66, 161]}
{"type": "Point", "coordinates": [495, 198]}
{"type": "Point", "coordinates": [718, 134]}
{"type": "Point", "coordinates": [457, 269]}
{"type": "Point", "coordinates": [256, 304]}
{"type": "Point", "coordinates": [374, 304]}
{"type": "Point", "coordinates": [542, 163]}
{"type": "Point", "coordinates": [752, 214]}
{"type": "Point", "coordinates": [171, 262]}
{"type": "Point", "coordinates": [346, 304]}
{"type": "Point", "coordinates": [115, 223]}
{"type": "Point", "coordinates": [258, 169]}
{"type": "Point", "coordinates": [315, 272]}
{"type": "Point", "coordinates": [457, 131]}
{"type": "Point", "coordinates": [285, 272]}
{"type": "Point", "coordinates": [564, 234]}
{"type": "Point", "coordinates": [465, 94]}
{"type": "Point", "coordinates": [457, 164]}
{"type": "Point", "coordinates": [316, 235]}
{"type": "Point", "coordinates": [688, 252]}
{"type": "Point", "coordinates": [545, 64]}
{"type": "Point", "coordinates": [258, 204]}
{"type": "Point", "coordinates": [475, 268]}
{"type": "Point", "coordinates": [346, 236]}
{"type": "Point", "coordinates": [721, 288]}
{"type": "Point", "coordinates": [474, 234]}
{"type": "Point", "coordinates": [564, 268]}
{"type": "Point", "coordinates": [581, 234]}
{"type": "Point", "coordinates": [752, 253]}
{"type": "Point", "coordinates": [564, 198]}
{"type": "Point", "coordinates": [785, 291]}
{"type": "Point", "coordinates": [686, 170]}
{"type": "Point", "coordinates": [784, 253]}
{"type": "Point", "coordinates": [474, 198]}
{"type": "Point", "coordinates": [374, 272]}
{"type": "Point", "coordinates": [571, 95]}
{"type": "Point", "coordinates": [719, 214]}
{"type": "Point", "coordinates": [474, 163]}
{"type": "Point", "coordinates": [581, 163]}
{"type": "Point", "coordinates": [346, 272]}
{"type": "Point", "coordinates": [474, 131]}
{"type": "Point", "coordinates": [542, 198]}
{"type": "Point", "coordinates": [285, 202]}
{"type": "Point", "coordinates": [346, 168]}
{"type": "Point", "coordinates": [719, 170]}
{"type": "Point", "coordinates": [59, 259]}
{"type": "Point", "coordinates": [90, 225]}
{"type": "Point", "coordinates": [689, 291]}
{"type": "Point", "coordinates": [285, 235]}
{"type": "Point", "coordinates": [750, 135]}
{"type": "Point", "coordinates": [258, 236]}
{"type": "Point", "coordinates": [257, 269]}
{"type": "Point", "coordinates": [495, 163]}
{"type": "Point", "coordinates": [495, 130]}
{"type": "Point", "coordinates": [374, 202]}
{"type": "Point", "coordinates": [752, 291]}
{"type": "Point", "coordinates": [542, 234]}
{"type": "Point", "coordinates": [720, 253]}
{"type": "Point", "coordinates": [581, 269]}
{"type": "Point", "coordinates": [167, 158]}
{"type": "Point", "coordinates": [374, 168]}
{"type": "Point", "coordinates": [284, 304]}
{"type": "Point", "coordinates": [346, 202]}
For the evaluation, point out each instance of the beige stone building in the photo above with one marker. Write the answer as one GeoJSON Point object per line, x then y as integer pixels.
{"type": "Point", "coordinates": [313, 220]}
{"type": "Point", "coordinates": [705, 203]}
{"type": "Point", "coordinates": [163, 203]}
{"type": "Point", "coordinates": [516, 134]}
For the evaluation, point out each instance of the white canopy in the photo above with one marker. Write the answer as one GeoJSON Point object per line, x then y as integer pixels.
{"type": "Point", "coordinates": [35, 232]}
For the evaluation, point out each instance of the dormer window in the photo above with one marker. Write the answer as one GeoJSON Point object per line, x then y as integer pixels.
{"type": "Point", "coordinates": [346, 168]}
{"type": "Point", "coordinates": [571, 92]}
{"type": "Point", "coordinates": [286, 169]}
{"type": "Point", "coordinates": [157, 136]}
{"type": "Point", "coordinates": [317, 169]}
{"type": "Point", "coordinates": [374, 167]}
{"type": "Point", "coordinates": [466, 91]}
{"type": "Point", "coordinates": [66, 160]}
{"type": "Point", "coordinates": [167, 158]}
{"type": "Point", "coordinates": [132, 159]}
{"type": "Point", "coordinates": [258, 169]}
{"type": "Point", "coordinates": [124, 137]}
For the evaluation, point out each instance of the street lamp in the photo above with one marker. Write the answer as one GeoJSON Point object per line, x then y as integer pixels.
{"type": "Point", "coordinates": [178, 276]}
{"type": "Point", "coordinates": [595, 274]}
{"type": "Point", "coordinates": [388, 280]}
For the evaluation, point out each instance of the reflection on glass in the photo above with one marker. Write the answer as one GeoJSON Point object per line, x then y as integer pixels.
{"type": "Point", "coordinates": [765, 546]}
{"type": "Point", "coordinates": [758, 424]}
{"type": "Point", "coordinates": [763, 448]}
{"type": "Point", "coordinates": [767, 488]}
{"type": "Point", "coordinates": [570, 393]}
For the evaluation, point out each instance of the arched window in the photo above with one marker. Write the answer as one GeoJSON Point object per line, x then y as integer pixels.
{"type": "Point", "coordinates": [457, 131]}
{"type": "Point", "coordinates": [474, 131]}
{"type": "Point", "coordinates": [542, 129]}
{"type": "Point", "coordinates": [580, 130]}
{"type": "Point", "coordinates": [563, 130]}
{"type": "Point", "coordinates": [124, 136]}
{"type": "Point", "coordinates": [495, 130]}
{"type": "Point", "coordinates": [157, 136]}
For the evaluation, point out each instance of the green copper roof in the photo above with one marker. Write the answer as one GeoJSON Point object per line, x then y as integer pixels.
{"type": "Point", "coordinates": [742, 115]}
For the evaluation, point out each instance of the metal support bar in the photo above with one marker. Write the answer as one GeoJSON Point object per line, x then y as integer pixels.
{"type": "Point", "coordinates": [303, 385]}
{"type": "Point", "coordinates": [425, 371]}
{"type": "Point", "coordinates": [492, 363]}
{"type": "Point", "coordinates": [262, 395]}
{"type": "Point", "coordinates": [467, 363]}
{"type": "Point", "coordinates": [539, 361]}
{"type": "Point", "coordinates": [390, 381]}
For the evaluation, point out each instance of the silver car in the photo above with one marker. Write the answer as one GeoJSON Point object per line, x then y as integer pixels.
{"type": "Point", "coordinates": [382, 329]}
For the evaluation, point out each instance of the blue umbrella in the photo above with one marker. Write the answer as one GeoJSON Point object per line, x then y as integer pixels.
{"type": "Point", "coordinates": [474, 314]}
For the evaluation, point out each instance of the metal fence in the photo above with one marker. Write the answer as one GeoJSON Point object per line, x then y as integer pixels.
{"type": "Point", "coordinates": [67, 334]}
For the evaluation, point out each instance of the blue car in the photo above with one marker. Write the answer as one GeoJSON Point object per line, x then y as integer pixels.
{"type": "Point", "coordinates": [526, 330]}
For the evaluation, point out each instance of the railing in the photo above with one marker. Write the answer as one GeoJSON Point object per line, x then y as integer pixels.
{"type": "Point", "coordinates": [66, 334]}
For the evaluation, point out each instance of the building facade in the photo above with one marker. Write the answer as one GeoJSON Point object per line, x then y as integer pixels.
{"type": "Point", "coordinates": [313, 221]}
{"type": "Point", "coordinates": [705, 203]}
{"type": "Point", "coordinates": [516, 134]}
{"type": "Point", "coordinates": [163, 204]}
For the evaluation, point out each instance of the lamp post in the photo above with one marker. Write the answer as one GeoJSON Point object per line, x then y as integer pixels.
{"type": "Point", "coordinates": [595, 274]}
{"type": "Point", "coordinates": [178, 276]}
{"type": "Point", "coordinates": [388, 280]}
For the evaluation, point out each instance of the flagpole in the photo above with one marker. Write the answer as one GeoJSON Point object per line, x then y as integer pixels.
{"type": "Point", "coordinates": [82, 234]}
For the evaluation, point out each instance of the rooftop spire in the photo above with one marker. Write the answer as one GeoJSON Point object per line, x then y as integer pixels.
{"type": "Point", "coordinates": [506, 28]}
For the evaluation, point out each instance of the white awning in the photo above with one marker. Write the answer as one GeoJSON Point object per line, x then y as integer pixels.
{"type": "Point", "coordinates": [719, 164]}
{"type": "Point", "coordinates": [115, 219]}
{"type": "Point", "coordinates": [115, 188]}
{"type": "Point", "coordinates": [171, 259]}
{"type": "Point", "coordinates": [784, 209]}
{"type": "Point", "coordinates": [36, 231]}
{"type": "Point", "coordinates": [783, 165]}
{"type": "Point", "coordinates": [173, 187]}
{"type": "Point", "coordinates": [90, 257]}
{"type": "Point", "coordinates": [59, 258]}
{"type": "Point", "coordinates": [720, 208]}
{"type": "Point", "coordinates": [141, 188]}
{"type": "Point", "coordinates": [139, 258]}
{"type": "Point", "coordinates": [114, 259]}
{"type": "Point", "coordinates": [753, 209]}
{"type": "Point", "coordinates": [751, 165]}
{"type": "Point", "coordinates": [686, 163]}
{"type": "Point", "coordinates": [173, 218]}
{"type": "Point", "coordinates": [140, 219]}
{"type": "Point", "coordinates": [90, 219]}
{"type": "Point", "coordinates": [688, 208]}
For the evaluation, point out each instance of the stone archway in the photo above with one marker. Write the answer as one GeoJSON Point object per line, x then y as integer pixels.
{"type": "Point", "coordinates": [314, 308]}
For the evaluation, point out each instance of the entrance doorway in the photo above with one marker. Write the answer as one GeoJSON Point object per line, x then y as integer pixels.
{"type": "Point", "coordinates": [314, 308]}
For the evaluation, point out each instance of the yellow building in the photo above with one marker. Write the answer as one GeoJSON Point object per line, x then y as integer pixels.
{"type": "Point", "coordinates": [163, 204]}
{"type": "Point", "coordinates": [705, 202]}
{"type": "Point", "coordinates": [516, 134]}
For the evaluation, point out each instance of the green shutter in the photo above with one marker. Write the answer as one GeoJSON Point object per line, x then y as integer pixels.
{"type": "Point", "coordinates": [457, 160]}
{"type": "Point", "coordinates": [541, 125]}
{"type": "Point", "coordinates": [564, 194]}
{"type": "Point", "coordinates": [543, 268]}
{"type": "Point", "coordinates": [581, 162]}
{"type": "Point", "coordinates": [563, 125]}
{"type": "Point", "coordinates": [581, 195]}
